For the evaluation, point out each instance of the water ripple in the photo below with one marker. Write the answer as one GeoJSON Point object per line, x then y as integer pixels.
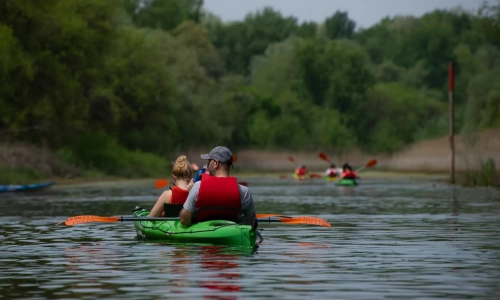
{"type": "Point", "coordinates": [397, 239]}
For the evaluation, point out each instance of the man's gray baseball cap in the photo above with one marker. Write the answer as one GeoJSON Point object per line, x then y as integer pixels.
{"type": "Point", "coordinates": [221, 154]}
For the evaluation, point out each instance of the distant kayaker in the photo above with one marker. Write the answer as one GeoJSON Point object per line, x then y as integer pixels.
{"type": "Point", "coordinates": [182, 175]}
{"type": "Point", "coordinates": [348, 173]}
{"type": "Point", "coordinates": [333, 171]}
{"type": "Point", "coordinates": [217, 196]}
{"type": "Point", "coordinates": [301, 171]}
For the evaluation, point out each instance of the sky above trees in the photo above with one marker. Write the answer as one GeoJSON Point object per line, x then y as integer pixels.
{"type": "Point", "coordinates": [364, 12]}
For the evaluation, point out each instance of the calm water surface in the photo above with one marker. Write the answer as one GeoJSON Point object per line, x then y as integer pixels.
{"type": "Point", "coordinates": [391, 238]}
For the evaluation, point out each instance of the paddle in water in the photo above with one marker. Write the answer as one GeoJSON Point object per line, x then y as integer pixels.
{"type": "Point", "coordinates": [266, 218]}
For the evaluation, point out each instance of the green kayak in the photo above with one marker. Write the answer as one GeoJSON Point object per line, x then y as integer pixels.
{"type": "Point", "coordinates": [346, 182]}
{"type": "Point", "coordinates": [217, 232]}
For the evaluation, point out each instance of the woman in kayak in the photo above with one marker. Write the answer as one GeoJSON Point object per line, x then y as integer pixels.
{"type": "Point", "coordinates": [181, 174]}
{"type": "Point", "coordinates": [333, 171]}
{"type": "Point", "coordinates": [348, 173]}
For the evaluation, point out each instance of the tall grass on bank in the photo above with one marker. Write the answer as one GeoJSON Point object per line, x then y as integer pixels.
{"type": "Point", "coordinates": [487, 176]}
{"type": "Point", "coordinates": [10, 175]}
{"type": "Point", "coordinates": [98, 153]}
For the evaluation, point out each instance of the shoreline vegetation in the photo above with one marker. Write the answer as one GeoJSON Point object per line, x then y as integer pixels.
{"type": "Point", "coordinates": [96, 89]}
{"type": "Point", "coordinates": [22, 163]}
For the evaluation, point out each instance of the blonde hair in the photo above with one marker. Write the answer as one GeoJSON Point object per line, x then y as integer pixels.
{"type": "Point", "coordinates": [182, 169]}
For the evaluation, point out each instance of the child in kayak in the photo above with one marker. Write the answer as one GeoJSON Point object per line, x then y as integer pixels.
{"type": "Point", "coordinates": [333, 171]}
{"type": "Point", "coordinates": [348, 173]}
{"type": "Point", "coordinates": [181, 174]}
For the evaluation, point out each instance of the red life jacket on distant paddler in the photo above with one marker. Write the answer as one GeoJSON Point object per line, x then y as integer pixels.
{"type": "Point", "coordinates": [301, 171]}
{"type": "Point", "coordinates": [349, 175]}
{"type": "Point", "coordinates": [179, 195]}
{"type": "Point", "coordinates": [218, 199]}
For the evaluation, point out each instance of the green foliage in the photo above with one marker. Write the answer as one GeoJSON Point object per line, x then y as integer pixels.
{"type": "Point", "coordinates": [58, 47]}
{"type": "Point", "coordinates": [307, 30]}
{"type": "Point", "coordinates": [162, 14]}
{"type": "Point", "coordinates": [490, 14]}
{"type": "Point", "coordinates": [330, 131]}
{"type": "Point", "coordinates": [339, 26]}
{"type": "Point", "coordinates": [483, 106]}
{"type": "Point", "coordinates": [388, 72]}
{"type": "Point", "coordinates": [393, 114]}
{"type": "Point", "coordinates": [97, 151]}
{"type": "Point", "coordinates": [240, 41]}
{"type": "Point", "coordinates": [284, 131]}
{"type": "Point", "coordinates": [435, 127]}
{"type": "Point", "coordinates": [19, 175]}
{"type": "Point", "coordinates": [487, 176]}
{"type": "Point", "coordinates": [108, 82]}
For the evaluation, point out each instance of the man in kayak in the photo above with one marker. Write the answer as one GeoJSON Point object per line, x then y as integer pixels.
{"type": "Point", "coordinates": [333, 171]}
{"type": "Point", "coordinates": [217, 196]}
{"type": "Point", "coordinates": [348, 173]}
{"type": "Point", "coordinates": [181, 174]}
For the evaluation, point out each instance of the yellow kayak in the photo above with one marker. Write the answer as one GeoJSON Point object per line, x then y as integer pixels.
{"type": "Point", "coordinates": [327, 178]}
{"type": "Point", "coordinates": [299, 177]}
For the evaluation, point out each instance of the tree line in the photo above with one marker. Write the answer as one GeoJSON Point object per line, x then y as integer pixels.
{"type": "Point", "coordinates": [162, 75]}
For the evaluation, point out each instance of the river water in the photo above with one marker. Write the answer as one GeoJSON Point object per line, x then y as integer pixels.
{"type": "Point", "coordinates": [390, 238]}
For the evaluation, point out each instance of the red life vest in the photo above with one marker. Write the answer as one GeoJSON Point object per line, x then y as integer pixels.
{"type": "Point", "coordinates": [332, 173]}
{"type": "Point", "coordinates": [301, 171]}
{"type": "Point", "coordinates": [349, 174]}
{"type": "Point", "coordinates": [218, 199]}
{"type": "Point", "coordinates": [179, 195]}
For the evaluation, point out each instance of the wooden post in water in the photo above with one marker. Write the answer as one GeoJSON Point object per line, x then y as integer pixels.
{"type": "Point", "coordinates": [451, 108]}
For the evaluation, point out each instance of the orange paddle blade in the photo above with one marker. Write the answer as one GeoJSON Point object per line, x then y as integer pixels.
{"type": "Point", "coordinates": [316, 176]}
{"type": "Point", "coordinates": [161, 183]}
{"type": "Point", "coordinates": [371, 163]}
{"type": "Point", "coordinates": [324, 157]}
{"type": "Point", "coordinates": [283, 176]}
{"type": "Point", "coordinates": [259, 216]}
{"type": "Point", "coordinates": [296, 220]}
{"type": "Point", "coordinates": [291, 159]}
{"type": "Point", "coordinates": [306, 220]}
{"type": "Point", "coordinates": [194, 166]}
{"type": "Point", "coordinates": [89, 219]}
{"type": "Point", "coordinates": [235, 158]}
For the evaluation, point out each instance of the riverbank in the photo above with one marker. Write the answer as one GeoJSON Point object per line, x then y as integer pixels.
{"type": "Point", "coordinates": [476, 155]}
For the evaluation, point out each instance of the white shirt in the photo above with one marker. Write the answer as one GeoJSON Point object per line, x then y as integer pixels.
{"type": "Point", "coordinates": [336, 171]}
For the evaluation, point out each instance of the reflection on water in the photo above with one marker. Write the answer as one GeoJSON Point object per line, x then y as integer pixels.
{"type": "Point", "coordinates": [392, 238]}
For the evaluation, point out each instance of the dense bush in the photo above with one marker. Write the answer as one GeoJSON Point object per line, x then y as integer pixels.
{"type": "Point", "coordinates": [105, 82]}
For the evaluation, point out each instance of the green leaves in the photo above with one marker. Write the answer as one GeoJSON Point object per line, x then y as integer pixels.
{"type": "Point", "coordinates": [339, 26]}
{"type": "Point", "coordinates": [162, 76]}
{"type": "Point", "coordinates": [394, 113]}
